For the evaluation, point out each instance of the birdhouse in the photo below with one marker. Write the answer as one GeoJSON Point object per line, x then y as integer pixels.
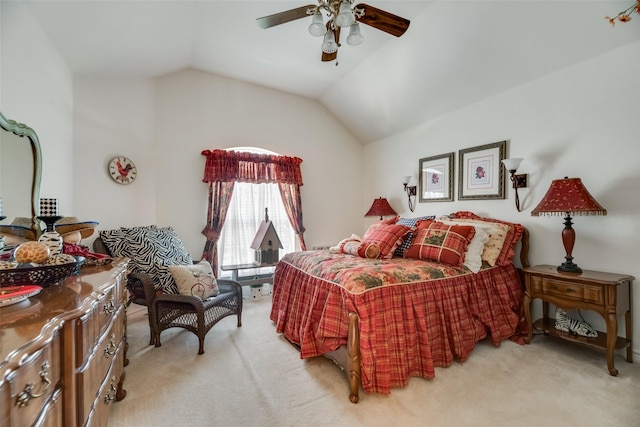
{"type": "Point", "coordinates": [266, 243]}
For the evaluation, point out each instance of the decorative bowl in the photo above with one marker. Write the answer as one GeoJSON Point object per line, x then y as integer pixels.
{"type": "Point", "coordinates": [40, 276]}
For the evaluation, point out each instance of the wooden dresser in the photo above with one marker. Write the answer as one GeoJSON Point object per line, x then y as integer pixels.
{"type": "Point", "coordinates": [63, 351]}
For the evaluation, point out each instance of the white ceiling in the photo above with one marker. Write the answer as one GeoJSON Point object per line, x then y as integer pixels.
{"type": "Point", "coordinates": [454, 53]}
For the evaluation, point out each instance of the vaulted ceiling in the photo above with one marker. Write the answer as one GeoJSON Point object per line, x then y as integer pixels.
{"type": "Point", "coordinates": [455, 52]}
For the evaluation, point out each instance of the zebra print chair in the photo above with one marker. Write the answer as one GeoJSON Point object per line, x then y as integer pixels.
{"type": "Point", "coordinates": [166, 308]}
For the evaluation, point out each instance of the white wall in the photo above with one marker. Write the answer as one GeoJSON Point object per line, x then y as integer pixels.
{"type": "Point", "coordinates": [36, 89]}
{"type": "Point", "coordinates": [163, 125]}
{"type": "Point", "coordinates": [578, 122]}
{"type": "Point", "coordinates": [114, 117]}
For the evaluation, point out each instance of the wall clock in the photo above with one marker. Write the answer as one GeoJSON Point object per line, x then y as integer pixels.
{"type": "Point", "coordinates": [122, 170]}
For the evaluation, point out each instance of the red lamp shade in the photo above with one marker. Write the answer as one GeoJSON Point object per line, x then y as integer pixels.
{"type": "Point", "coordinates": [380, 207]}
{"type": "Point", "coordinates": [568, 196]}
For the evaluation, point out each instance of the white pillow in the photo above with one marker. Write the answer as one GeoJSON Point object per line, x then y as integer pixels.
{"type": "Point", "coordinates": [197, 280]}
{"type": "Point", "coordinates": [473, 255]}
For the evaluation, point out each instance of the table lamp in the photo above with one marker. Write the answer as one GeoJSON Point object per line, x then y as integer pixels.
{"type": "Point", "coordinates": [568, 196]}
{"type": "Point", "coordinates": [380, 206]}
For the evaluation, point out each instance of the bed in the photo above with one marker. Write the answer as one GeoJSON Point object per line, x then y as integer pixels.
{"type": "Point", "coordinates": [387, 319]}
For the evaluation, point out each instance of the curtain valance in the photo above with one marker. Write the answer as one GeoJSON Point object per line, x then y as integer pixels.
{"type": "Point", "coordinates": [235, 166]}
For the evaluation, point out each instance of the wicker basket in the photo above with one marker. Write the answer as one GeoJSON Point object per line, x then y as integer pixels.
{"type": "Point", "coordinates": [41, 276]}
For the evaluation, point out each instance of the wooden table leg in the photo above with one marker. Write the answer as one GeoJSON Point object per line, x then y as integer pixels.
{"type": "Point", "coordinates": [527, 317]}
{"type": "Point", "coordinates": [628, 332]}
{"type": "Point", "coordinates": [612, 336]}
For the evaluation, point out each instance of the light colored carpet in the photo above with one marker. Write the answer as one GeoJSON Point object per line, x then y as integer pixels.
{"type": "Point", "coordinates": [251, 376]}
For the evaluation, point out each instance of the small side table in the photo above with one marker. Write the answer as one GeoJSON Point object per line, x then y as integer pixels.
{"type": "Point", "coordinates": [248, 280]}
{"type": "Point", "coordinates": [589, 290]}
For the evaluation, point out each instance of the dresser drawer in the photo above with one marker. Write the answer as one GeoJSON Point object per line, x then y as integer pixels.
{"type": "Point", "coordinates": [568, 290]}
{"type": "Point", "coordinates": [99, 412]}
{"type": "Point", "coordinates": [52, 413]}
{"type": "Point", "coordinates": [30, 387]}
{"type": "Point", "coordinates": [93, 325]}
{"type": "Point", "coordinates": [99, 362]}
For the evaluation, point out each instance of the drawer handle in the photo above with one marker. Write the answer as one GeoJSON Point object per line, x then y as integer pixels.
{"type": "Point", "coordinates": [567, 290]}
{"type": "Point", "coordinates": [27, 394]}
{"type": "Point", "coordinates": [111, 395]}
{"type": "Point", "coordinates": [110, 350]}
{"type": "Point", "coordinates": [109, 308]}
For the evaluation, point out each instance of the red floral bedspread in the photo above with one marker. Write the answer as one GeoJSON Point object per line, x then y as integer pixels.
{"type": "Point", "coordinates": [413, 315]}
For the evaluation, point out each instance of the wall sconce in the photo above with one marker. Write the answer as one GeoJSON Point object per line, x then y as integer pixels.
{"type": "Point", "coordinates": [519, 181]}
{"type": "Point", "coordinates": [411, 191]}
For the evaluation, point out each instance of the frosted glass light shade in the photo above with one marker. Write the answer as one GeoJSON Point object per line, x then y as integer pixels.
{"type": "Point", "coordinates": [329, 44]}
{"type": "Point", "coordinates": [354, 38]}
{"type": "Point", "coordinates": [512, 164]}
{"type": "Point", "coordinates": [345, 16]}
{"type": "Point", "coordinates": [406, 179]}
{"type": "Point", "coordinates": [317, 28]}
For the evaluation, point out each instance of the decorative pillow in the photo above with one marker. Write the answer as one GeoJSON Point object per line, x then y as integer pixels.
{"type": "Point", "coordinates": [513, 235]}
{"type": "Point", "coordinates": [409, 222]}
{"type": "Point", "coordinates": [372, 227]}
{"type": "Point", "coordinates": [151, 250]}
{"type": "Point", "coordinates": [473, 256]}
{"type": "Point", "coordinates": [338, 248]}
{"type": "Point", "coordinates": [355, 246]}
{"type": "Point", "coordinates": [350, 247]}
{"type": "Point", "coordinates": [496, 234]}
{"type": "Point", "coordinates": [197, 280]}
{"type": "Point", "coordinates": [440, 242]}
{"type": "Point", "coordinates": [387, 236]}
{"type": "Point", "coordinates": [369, 250]}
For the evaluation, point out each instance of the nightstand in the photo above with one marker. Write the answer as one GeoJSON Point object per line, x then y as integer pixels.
{"type": "Point", "coordinates": [589, 290]}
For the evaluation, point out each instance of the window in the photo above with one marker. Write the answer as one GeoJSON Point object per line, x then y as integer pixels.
{"type": "Point", "coordinates": [246, 212]}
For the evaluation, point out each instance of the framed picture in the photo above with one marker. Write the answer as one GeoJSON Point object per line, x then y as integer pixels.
{"type": "Point", "coordinates": [436, 178]}
{"type": "Point", "coordinates": [481, 172]}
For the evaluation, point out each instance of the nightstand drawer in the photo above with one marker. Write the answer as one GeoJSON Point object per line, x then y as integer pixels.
{"type": "Point", "coordinates": [579, 292]}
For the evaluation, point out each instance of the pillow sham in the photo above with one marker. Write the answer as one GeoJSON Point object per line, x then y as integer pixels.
{"type": "Point", "coordinates": [497, 234]}
{"type": "Point", "coordinates": [375, 225]}
{"type": "Point", "coordinates": [473, 255]}
{"type": "Point", "coordinates": [196, 280]}
{"type": "Point", "coordinates": [406, 242]}
{"type": "Point", "coordinates": [436, 241]}
{"type": "Point", "coordinates": [514, 234]}
{"type": "Point", "coordinates": [387, 236]}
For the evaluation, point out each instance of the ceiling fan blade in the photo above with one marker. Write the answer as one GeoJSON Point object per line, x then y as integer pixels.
{"type": "Point", "coordinates": [327, 57]}
{"type": "Point", "coordinates": [382, 20]}
{"type": "Point", "coordinates": [284, 17]}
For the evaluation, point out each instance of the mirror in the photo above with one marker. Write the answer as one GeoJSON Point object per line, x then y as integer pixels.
{"type": "Point", "coordinates": [20, 172]}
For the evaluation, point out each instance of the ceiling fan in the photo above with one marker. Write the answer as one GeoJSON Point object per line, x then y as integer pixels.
{"type": "Point", "coordinates": [341, 14]}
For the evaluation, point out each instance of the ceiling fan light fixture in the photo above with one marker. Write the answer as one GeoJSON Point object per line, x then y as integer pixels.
{"type": "Point", "coordinates": [317, 28]}
{"type": "Point", "coordinates": [329, 44]}
{"type": "Point", "coordinates": [355, 37]}
{"type": "Point", "coordinates": [345, 15]}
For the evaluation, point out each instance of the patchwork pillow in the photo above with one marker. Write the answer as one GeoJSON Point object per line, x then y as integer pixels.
{"type": "Point", "coordinates": [196, 280]}
{"type": "Point", "coordinates": [436, 241]}
{"type": "Point", "coordinates": [514, 233]}
{"type": "Point", "coordinates": [406, 242]}
{"type": "Point", "coordinates": [387, 236]}
{"type": "Point", "coordinates": [473, 256]}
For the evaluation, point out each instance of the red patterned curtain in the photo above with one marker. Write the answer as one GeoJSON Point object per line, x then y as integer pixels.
{"type": "Point", "coordinates": [219, 198]}
{"type": "Point", "coordinates": [226, 166]}
{"type": "Point", "coordinates": [293, 205]}
{"type": "Point", "coordinates": [223, 168]}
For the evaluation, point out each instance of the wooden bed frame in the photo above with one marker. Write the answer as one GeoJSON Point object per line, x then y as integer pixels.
{"type": "Point", "coordinates": [349, 362]}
